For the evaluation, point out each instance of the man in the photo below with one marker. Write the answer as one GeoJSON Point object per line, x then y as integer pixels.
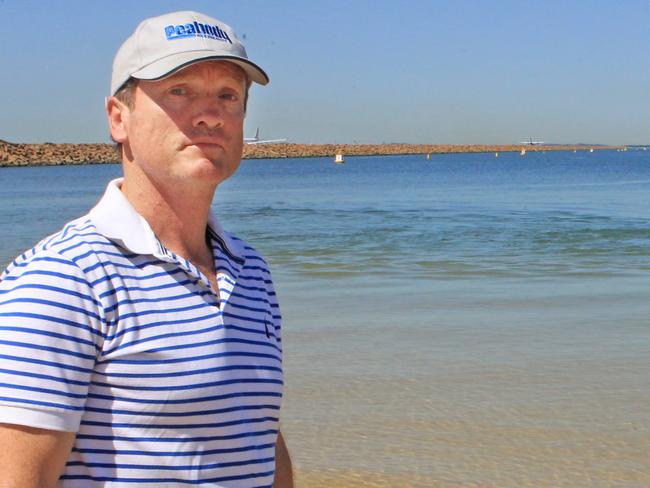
{"type": "Point", "coordinates": [140, 345]}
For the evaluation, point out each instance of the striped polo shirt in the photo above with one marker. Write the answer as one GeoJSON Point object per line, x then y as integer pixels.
{"type": "Point", "coordinates": [107, 333]}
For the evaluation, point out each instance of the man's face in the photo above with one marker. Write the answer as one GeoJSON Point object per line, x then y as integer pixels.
{"type": "Point", "coordinates": [189, 127]}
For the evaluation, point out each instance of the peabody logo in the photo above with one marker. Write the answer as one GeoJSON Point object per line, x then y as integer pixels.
{"type": "Point", "coordinates": [195, 30]}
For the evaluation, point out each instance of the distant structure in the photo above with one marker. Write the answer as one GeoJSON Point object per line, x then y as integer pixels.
{"type": "Point", "coordinates": [531, 142]}
{"type": "Point", "coordinates": [256, 139]}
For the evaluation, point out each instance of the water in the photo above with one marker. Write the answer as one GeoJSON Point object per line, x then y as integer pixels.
{"type": "Point", "coordinates": [463, 321]}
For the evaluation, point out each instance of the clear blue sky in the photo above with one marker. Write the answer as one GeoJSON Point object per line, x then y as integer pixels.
{"type": "Point", "coordinates": [359, 71]}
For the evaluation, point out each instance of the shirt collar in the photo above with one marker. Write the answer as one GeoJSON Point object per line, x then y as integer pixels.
{"type": "Point", "coordinates": [116, 219]}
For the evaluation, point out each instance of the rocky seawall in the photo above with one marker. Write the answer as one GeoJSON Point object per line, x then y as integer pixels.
{"type": "Point", "coordinates": [17, 154]}
{"type": "Point", "coordinates": [49, 154]}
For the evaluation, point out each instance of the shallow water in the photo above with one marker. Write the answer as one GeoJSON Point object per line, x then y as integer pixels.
{"type": "Point", "coordinates": [463, 321]}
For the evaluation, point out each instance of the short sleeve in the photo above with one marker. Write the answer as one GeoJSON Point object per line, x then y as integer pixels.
{"type": "Point", "coordinates": [51, 325]}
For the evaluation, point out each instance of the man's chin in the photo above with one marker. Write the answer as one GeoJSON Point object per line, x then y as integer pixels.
{"type": "Point", "coordinates": [207, 168]}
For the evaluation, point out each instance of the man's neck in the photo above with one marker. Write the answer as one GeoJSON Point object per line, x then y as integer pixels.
{"type": "Point", "coordinates": [178, 216]}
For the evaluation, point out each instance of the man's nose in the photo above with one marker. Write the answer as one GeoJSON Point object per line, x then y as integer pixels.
{"type": "Point", "coordinates": [208, 114]}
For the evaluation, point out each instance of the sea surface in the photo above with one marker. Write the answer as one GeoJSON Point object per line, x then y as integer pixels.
{"type": "Point", "coordinates": [463, 321]}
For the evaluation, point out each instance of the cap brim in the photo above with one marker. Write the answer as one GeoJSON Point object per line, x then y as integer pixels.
{"type": "Point", "coordinates": [175, 62]}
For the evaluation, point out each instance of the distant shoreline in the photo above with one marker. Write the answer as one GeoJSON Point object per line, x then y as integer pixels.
{"type": "Point", "coordinates": [49, 154]}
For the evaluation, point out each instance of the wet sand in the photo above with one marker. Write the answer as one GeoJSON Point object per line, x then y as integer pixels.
{"type": "Point", "coordinates": [500, 405]}
{"type": "Point", "coordinates": [439, 442]}
{"type": "Point", "coordinates": [363, 479]}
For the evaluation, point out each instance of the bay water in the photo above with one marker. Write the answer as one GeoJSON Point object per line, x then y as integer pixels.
{"type": "Point", "coordinates": [467, 320]}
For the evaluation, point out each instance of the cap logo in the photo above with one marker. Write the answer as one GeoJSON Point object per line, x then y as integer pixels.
{"type": "Point", "coordinates": [195, 29]}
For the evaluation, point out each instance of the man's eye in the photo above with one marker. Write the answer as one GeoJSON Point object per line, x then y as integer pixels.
{"type": "Point", "coordinates": [177, 91]}
{"type": "Point", "coordinates": [230, 97]}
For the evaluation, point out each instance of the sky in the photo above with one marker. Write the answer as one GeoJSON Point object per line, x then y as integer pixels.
{"type": "Point", "coordinates": [346, 71]}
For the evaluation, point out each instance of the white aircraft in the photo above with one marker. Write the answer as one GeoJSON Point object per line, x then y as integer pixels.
{"type": "Point", "coordinates": [257, 140]}
{"type": "Point", "coordinates": [531, 142]}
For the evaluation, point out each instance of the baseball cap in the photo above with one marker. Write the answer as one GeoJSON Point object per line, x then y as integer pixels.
{"type": "Point", "coordinates": [162, 45]}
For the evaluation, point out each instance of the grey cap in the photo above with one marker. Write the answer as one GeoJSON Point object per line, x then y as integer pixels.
{"type": "Point", "coordinates": [162, 45]}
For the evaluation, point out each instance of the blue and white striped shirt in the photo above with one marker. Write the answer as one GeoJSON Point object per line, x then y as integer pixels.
{"type": "Point", "coordinates": [105, 332]}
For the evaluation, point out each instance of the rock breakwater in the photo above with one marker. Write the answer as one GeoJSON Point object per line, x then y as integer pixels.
{"type": "Point", "coordinates": [20, 154]}
{"type": "Point", "coordinates": [56, 154]}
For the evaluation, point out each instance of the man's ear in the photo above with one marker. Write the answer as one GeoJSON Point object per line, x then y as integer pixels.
{"type": "Point", "coordinates": [118, 115]}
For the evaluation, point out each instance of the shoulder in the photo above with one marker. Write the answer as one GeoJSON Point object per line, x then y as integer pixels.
{"type": "Point", "coordinates": [62, 262]}
{"type": "Point", "coordinates": [62, 247]}
{"type": "Point", "coordinates": [47, 296]}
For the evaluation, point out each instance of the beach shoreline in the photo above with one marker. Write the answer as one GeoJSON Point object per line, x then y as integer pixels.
{"type": "Point", "coordinates": [50, 154]}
